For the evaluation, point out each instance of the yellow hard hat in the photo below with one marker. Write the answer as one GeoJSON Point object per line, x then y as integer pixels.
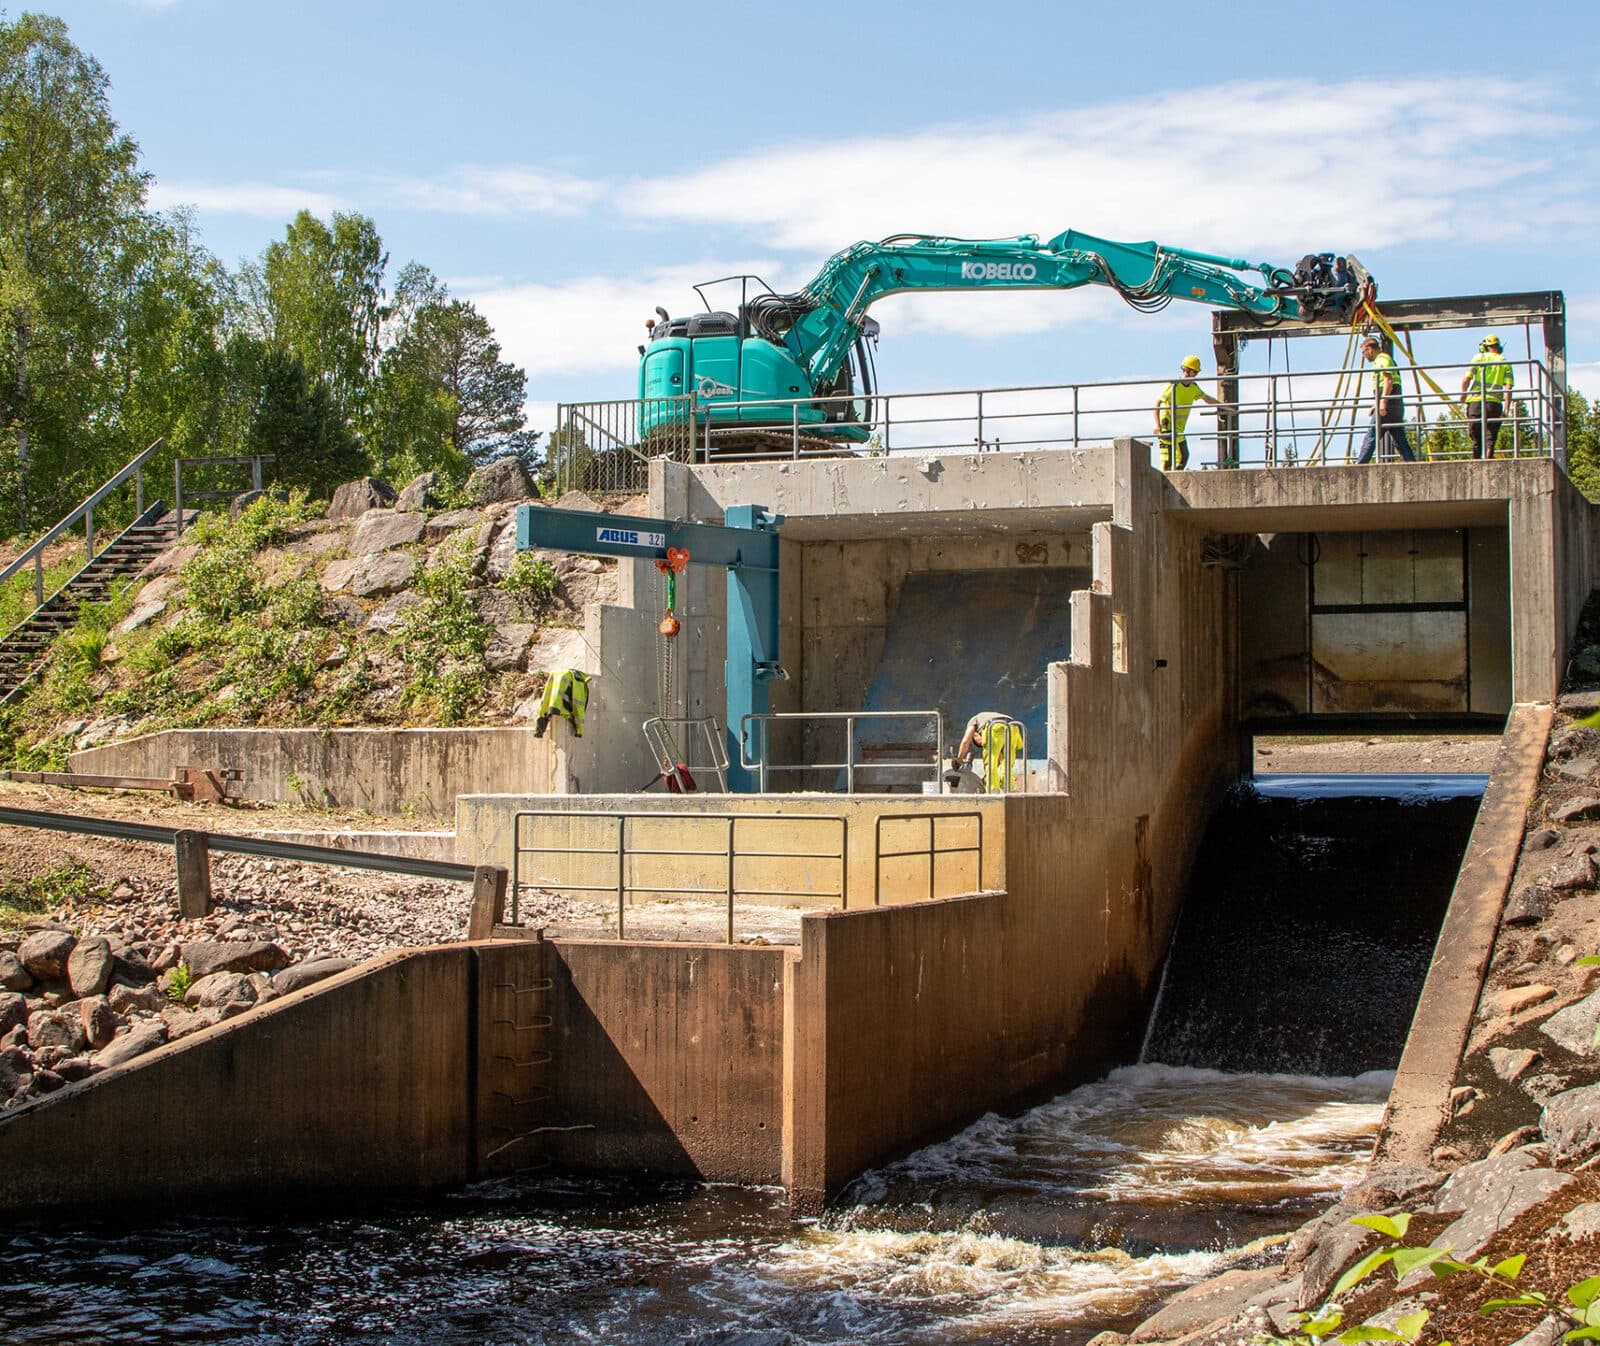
{"type": "Point", "coordinates": [1191, 363]}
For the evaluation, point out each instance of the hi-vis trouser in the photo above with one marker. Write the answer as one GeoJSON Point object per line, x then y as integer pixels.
{"type": "Point", "coordinates": [1002, 750]}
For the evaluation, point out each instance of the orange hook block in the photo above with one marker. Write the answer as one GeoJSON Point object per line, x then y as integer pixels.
{"type": "Point", "coordinates": [669, 625]}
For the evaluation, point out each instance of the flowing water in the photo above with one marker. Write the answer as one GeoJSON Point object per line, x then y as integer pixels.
{"type": "Point", "coordinates": [1048, 1226]}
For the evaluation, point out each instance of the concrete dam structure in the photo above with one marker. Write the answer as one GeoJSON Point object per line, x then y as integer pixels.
{"type": "Point", "coordinates": [954, 953]}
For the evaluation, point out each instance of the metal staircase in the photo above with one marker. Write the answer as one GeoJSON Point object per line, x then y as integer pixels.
{"type": "Point", "coordinates": [23, 649]}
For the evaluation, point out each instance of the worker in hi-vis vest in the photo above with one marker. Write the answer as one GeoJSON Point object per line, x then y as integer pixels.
{"type": "Point", "coordinates": [1484, 393]}
{"type": "Point", "coordinates": [1172, 414]}
{"type": "Point", "coordinates": [1388, 406]}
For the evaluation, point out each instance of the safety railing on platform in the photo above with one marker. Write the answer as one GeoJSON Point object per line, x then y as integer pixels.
{"type": "Point", "coordinates": [676, 856]}
{"type": "Point", "coordinates": [1313, 417]}
{"type": "Point", "coordinates": [757, 757]}
{"type": "Point", "coordinates": [931, 851]}
{"type": "Point", "coordinates": [605, 448]}
{"type": "Point", "coordinates": [34, 555]}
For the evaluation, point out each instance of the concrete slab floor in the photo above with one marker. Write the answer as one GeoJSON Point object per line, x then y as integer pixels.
{"type": "Point", "coordinates": [1397, 754]}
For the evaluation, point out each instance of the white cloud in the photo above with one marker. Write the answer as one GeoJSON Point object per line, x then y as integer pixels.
{"type": "Point", "coordinates": [263, 199]}
{"type": "Point", "coordinates": [1278, 166]}
{"type": "Point", "coordinates": [595, 323]}
{"type": "Point", "coordinates": [481, 190]}
{"type": "Point", "coordinates": [1586, 379]}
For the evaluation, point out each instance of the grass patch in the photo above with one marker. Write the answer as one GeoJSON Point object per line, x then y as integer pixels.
{"type": "Point", "coordinates": [70, 884]}
{"type": "Point", "coordinates": [442, 639]}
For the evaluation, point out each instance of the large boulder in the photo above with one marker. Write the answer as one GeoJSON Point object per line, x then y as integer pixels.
{"type": "Point", "coordinates": [384, 574]}
{"type": "Point", "coordinates": [503, 479]}
{"type": "Point", "coordinates": [306, 974]}
{"type": "Point", "coordinates": [89, 966]}
{"type": "Point", "coordinates": [99, 1021]}
{"type": "Point", "coordinates": [1570, 1123]}
{"type": "Point", "coordinates": [392, 614]}
{"type": "Point", "coordinates": [1206, 1303]}
{"type": "Point", "coordinates": [337, 574]}
{"type": "Point", "coordinates": [229, 993]}
{"type": "Point", "coordinates": [440, 526]}
{"type": "Point", "coordinates": [380, 529]}
{"type": "Point", "coordinates": [508, 645]}
{"type": "Point", "coordinates": [203, 957]}
{"type": "Point", "coordinates": [142, 1037]}
{"type": "Point", "coordinates": [355, 498]}
{"type": "Point", "coordinates": [1490, 1194]}
{"type": "Point", "coordinates": [56, 1028]}
{"type": "Point", "coordinates": [13, 976]}
{"type": "Point", "coordinates": [45, 954]}
{"type": "Point", "coordinates": [13, 1011]}
{"type": "Point", "coordinates": [422, 492]}
{"type": "Point", "coordinates": [1574, 1027]}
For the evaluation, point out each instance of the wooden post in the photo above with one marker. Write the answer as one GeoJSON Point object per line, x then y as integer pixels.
{"type": "Point", "coordinates": [194, 874]}
{"type": "Point", "coordinates": [488, 901]}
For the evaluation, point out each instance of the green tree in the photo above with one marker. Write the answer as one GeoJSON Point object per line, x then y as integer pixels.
{"type": "Point", "coordinates": [295, 422]}
{"type": "Point", "coordinates": [71, 213]}
{"type": "Point", "coordinates": [445, 398]}
{"type": "Point", "coordinates": [317, 295]}
{"type": "Point", "coordinates": [1583, 445]}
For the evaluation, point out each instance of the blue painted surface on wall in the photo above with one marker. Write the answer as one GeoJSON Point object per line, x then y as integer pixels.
{"type": "Point", "coordinates": [965, 641]}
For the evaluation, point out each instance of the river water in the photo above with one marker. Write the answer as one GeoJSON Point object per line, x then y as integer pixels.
{"type": "Point", "coordinates": [1048, 1226]}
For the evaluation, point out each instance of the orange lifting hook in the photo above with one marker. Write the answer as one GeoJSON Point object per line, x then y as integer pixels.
{"type": "Point", "coordinates": [676, 562]}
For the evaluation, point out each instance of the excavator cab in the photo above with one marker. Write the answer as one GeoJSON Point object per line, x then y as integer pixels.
{"type": "Point", "coordinates": [743, 379]}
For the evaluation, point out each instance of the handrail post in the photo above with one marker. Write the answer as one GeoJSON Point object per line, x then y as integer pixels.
{"type": "Point", "coordinates": [795, 431]}
{"type": "Point", "coordinates": [980, 422]}
{"type": "Point", "coordinates": [844, 863]}
{"type": "Point", "coordinates": [731, 824]}
{"type": "Point", "coordinates": [38, 579]}
{"type": "Point", "coordinates": [88, 530]}
{"type": "Point", "coordinates": [255, 472]}
{"type": "Point", "coordinates": [177, 492]}
{"type": "Point", "coordinates": [850, 754]}
{"type": "Point", "coordinates": [138, 491]}
{"type": "Point", "coordinates": [622, 870]}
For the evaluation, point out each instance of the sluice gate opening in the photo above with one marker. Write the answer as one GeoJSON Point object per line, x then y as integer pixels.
{"type": "Point", "coordinates": [1310, 922]}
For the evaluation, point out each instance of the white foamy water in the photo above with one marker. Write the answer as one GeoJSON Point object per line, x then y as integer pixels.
{"type": "Point", "coordinates": [1046, 1227]}
{"type": "Point", "coordinates": [1087, 1209]}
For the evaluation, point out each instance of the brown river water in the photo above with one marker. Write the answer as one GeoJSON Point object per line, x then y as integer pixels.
{"type": "Point", "coordinates": [1045, 1226]}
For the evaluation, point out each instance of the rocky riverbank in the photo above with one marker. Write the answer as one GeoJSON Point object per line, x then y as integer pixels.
{"type": "Point", "coordinates": [113, 971]}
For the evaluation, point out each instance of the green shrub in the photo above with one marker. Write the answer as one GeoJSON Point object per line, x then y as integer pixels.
{"type": "Point", "coordinates": [532, 582]}
{"type": "Point", "coordinates": [442, 639]}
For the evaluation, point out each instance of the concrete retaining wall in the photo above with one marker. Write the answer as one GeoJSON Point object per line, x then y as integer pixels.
{"type": "Point", "coordinates": [394, 771]}
{"type": "Point", "coordinates": [359, 1082]}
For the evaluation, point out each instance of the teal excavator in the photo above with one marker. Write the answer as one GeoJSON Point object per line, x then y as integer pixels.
{"type": "Point", "coordinates": [806, 357]}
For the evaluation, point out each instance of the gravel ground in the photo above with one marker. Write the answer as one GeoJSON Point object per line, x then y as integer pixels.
{"type": "Point", "coordinates": [1399, 754]}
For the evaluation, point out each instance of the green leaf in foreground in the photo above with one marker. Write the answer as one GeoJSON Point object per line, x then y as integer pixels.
{"type": "Point", "coordinates": [1393, 1226]}
{"type": "Point", "coordinates": [1361, 1270]}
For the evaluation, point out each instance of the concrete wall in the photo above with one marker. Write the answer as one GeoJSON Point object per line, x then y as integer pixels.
{"type": "Point", "coordinates": [614, 1056]}
{"type": "Point", "coordinates": [394, 771]}
{"type": "Point", "coordinates": [359, 1082]}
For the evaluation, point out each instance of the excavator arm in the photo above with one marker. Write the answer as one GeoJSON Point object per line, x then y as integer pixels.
{"type": "Point", "coordinates": [822, 321]}
{"type": "Point", "coordinates": [786, 358]}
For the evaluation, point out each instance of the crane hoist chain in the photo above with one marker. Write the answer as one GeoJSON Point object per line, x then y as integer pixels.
{"type": "Point", "coordinates": [676, 562]}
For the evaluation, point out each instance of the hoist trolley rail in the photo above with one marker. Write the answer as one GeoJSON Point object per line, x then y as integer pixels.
{"type": "Point", "coordinates": [625, 880]}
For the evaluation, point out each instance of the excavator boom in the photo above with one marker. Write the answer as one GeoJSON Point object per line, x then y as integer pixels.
{"type": "Point", "coordinates": [812, 343]}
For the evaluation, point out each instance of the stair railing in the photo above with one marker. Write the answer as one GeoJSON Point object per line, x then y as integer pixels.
{"type": "Point", "coordinates": [134, 468]}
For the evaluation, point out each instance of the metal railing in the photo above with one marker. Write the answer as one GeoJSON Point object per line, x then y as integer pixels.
{"type": "Point", "coordinates": [853, 764]}
{"type": "Point", "coordinates": [932, 850]}
{"type": "Point", "coordinates": [669, 738]}
{"type": "Point", "coordinates": [133, 468]}
{"type": "Point", "coordinates": [180, 493]}
{"type": "Point", "coordinates": [1280, 418]}
{"type": "Point", "coordinates": [625, 879]}
{"type": "Point", "coordinates": [606, 447]}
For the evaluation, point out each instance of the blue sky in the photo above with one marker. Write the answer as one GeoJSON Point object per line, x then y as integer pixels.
{"type": "Point", "coordinates": [568, 167]}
